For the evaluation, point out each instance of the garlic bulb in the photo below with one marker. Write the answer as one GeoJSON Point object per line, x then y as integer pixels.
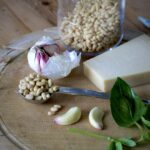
{"type": "Point", "coordinates": [47, 59]}
{"type": "Point", "coordinates": [39, 54]}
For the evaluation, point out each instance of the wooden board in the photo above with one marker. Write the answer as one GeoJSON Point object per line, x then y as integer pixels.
{"type": "Point", "coordinates": [4, 143]}
{"type": "Point", "coordinates": [34, 129]}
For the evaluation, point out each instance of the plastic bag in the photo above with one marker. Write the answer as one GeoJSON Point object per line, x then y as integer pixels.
{"type": "Point", "coordinates": [91, 25]}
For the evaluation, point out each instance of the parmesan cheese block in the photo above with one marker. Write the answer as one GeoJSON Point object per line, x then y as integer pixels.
{"type": "Point", "coordinates": [130, 61]}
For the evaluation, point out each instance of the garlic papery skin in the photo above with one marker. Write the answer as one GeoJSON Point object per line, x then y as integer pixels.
{"type": "Point", "coordinates": [60, 66]}
{"type": "Point", "coordinates": [95, 117]}
{"type": "Point", "coordinates": [70, 117]}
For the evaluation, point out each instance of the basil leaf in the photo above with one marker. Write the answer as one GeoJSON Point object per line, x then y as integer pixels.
{"type": "Point", "coordinates": [119, 146]}
{"type": "Point", "coordinates": [112, 146]}
{"type": "Point", "coordinates": [126, 107]}
{"type": "Point", "coordinates": [127, 142]}
{"type": "Point", "coordinates": [147, 115]}
{"type": "Point", "coordinates": [122, 113]}
{"type": "Point", "coordinates": [146, 122]}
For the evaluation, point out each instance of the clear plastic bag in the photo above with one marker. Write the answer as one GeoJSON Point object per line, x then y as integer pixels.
{"type": "Point", "coordinates": [91, 26]}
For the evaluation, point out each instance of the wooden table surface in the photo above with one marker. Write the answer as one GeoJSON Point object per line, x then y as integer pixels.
{"type": "Point", "coordinates": [19, 17]}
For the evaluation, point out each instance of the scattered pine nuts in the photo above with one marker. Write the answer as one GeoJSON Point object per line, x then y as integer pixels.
{"type": "Point", "coordinates": [54, 109]}
{"type": "Point", "coordinates": [50, 113]}
{"type": "Point", "coordinates": [57, 106]}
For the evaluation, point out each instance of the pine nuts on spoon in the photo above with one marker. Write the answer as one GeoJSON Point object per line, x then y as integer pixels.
{"type": "Point", "coordinates": [35, 88]}
{"type": "Point", "coordinates": [42, 92]}
{"type": "Point", "coordinates": [54, 109]}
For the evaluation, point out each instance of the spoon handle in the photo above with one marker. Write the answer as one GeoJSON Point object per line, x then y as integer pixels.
{"type": "Point", "coordinates": [85, 92]}
{"type": "Point", "coordinates": [82, 92]}
{"type": "Point", "coordinates": [144, 21]}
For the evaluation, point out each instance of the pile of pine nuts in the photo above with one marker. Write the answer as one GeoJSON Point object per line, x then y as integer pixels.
{"type": "Point", "coordinates": [92, 26]}
{"type": "Point", "coordinates": [36, 87]}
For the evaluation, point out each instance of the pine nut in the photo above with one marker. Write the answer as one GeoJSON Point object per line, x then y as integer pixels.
{"type": "Point", "coordinates": [57, 106]}
{"type": "Point", "coordinates": [55, 88]}
{"type": "Point", "coordinates": [49, 83]}
{"type": "Point", "coordinates": [39, 98]}
{"type": "Point", "coordinates": [29, 97]}
{"type": "Point", "coordinates": [43, 96]}
{"type": "Point", "coordinates": [50, 113]}
{"type": "Point", "coordinates": [54, 109]}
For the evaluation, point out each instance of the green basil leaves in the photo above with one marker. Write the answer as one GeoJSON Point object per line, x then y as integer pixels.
{"type": "Point", "coordinates": [112, 146]}
{"type": "Point", "coordinates": [126, 107]}
{"type": "Point", "coordinates": [127, 142]}
{"type": "Point", "coordinates": [115, 146]}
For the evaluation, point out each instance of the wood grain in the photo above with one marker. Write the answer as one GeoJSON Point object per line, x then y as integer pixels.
{"type": "Point", "coordinates": [10, 136]}
{"type": "Point", "coordinates": [28, 15]}
{"type": "Point", "coordinates": [134, 9]}
{"type": "Point", "coordinates": [47, 10]}
{"type": "Point", "coordinates": [10, 26]}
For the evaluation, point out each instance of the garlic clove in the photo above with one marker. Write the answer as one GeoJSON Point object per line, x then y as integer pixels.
{"type": "Point", "coordinates": [43, 60]}
{"type": "Point", "coordinates": [95, 117]}
{"type": "Point", "coordinates": [70, 117]}
{"type": "Point", "coordinates": [31, 60]}
{"type": "Point", "coordinates": [37, 58]}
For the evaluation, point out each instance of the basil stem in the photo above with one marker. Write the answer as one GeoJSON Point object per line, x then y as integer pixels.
{"type": "Point", "coordinates": [91, 134]}
{"type": "Point", "coordinates": [141, 132]}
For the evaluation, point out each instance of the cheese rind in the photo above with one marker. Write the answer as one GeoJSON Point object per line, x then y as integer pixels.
{"type": "Point", "coordinates": [130, 61]}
